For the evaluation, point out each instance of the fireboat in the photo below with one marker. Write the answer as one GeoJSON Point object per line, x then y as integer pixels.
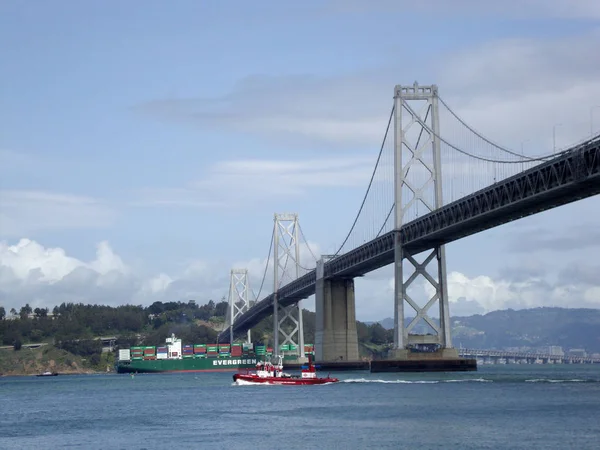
{"type": "Point", "coordinates": [268, 373]}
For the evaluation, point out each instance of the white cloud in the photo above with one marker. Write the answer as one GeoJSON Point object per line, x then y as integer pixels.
{"type": "Point", "coordinates": [518, 89]}
{"type": "Point", "coordinates": [513, 90]}
{"type": "Point", "coordinates": [234, 182]}
{"type": "Point", "coordinates": [476, 295]}
{"type": "Point", "coordinates": [293, 110]}
{"type": "Point", "coordinates": [24, 212]}
{"type": "Point", "coordinates": [31, 273]}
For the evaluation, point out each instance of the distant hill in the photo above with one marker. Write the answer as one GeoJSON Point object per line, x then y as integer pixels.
{"type": "Point", "coordinates": [526, 328]}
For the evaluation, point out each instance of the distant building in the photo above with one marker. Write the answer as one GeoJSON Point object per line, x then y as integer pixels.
{"type": "Point", "coordinates": [577, 352]}
{"type": "Point", "coordinates": [556, 350]}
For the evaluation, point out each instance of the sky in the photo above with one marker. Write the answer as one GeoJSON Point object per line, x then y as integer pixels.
{"type": "Point", "coordinates": [146, 146]}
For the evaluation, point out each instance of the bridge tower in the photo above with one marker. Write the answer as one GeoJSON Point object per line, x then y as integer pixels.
{"type": "Point", "coordinates": [418, 183]}
{"type": "Point", "coordinates": [239, 303]}
{"type": "Point", "coordinates": [286, 250]}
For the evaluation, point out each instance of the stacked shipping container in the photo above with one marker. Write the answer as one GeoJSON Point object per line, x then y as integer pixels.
{"type": "Point", "coordinates": [200, 351]}
{"type": "Point", "coordinates": [161, 353]}
{"type": "Point", "coordinates": [188, 351]}
{"type": "Point", "coordinates": [149, 352]}
{"type": "Point", "coordinates": [137, 352]}
{"type": "Point", "coordinates": [236, 350]}
{"type": "Point", "coordinates": [219, 350]}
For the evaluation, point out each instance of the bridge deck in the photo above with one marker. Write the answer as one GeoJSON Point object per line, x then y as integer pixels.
{"type": "Point", "coordinates": [572, 176]}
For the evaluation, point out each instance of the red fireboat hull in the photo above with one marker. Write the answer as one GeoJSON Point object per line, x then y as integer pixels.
{"type": "Point", "coordinates": [294, 381]}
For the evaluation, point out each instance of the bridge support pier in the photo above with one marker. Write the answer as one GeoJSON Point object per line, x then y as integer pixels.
{"type": "Point", "coordinates": [336, 339]}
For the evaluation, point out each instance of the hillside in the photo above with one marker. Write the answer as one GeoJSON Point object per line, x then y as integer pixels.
{"type": "Point", "coordinates": [48, 358]}
{"type": "Point", "coordinates": [526, 328]}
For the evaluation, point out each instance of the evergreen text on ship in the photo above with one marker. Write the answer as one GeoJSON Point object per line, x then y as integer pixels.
{"type": "Point", "coordinates": [232, 362]}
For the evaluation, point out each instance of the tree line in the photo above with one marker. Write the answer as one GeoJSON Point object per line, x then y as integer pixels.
{"type": "Point", "coordinates": [74, 326]}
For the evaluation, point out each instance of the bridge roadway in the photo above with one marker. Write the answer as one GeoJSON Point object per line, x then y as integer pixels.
{"type": "Point", "coordinates": [571, 176]}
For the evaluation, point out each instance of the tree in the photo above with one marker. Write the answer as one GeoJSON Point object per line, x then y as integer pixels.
{"type": "Point", "coordinates": [17, 345]}
{"type": "Point", "coordinates": [13, 312]}
{"type": "Point", "coordinates": [2, 313]}
{"type": "Point", "coordinates": [221, 308]}
{"type": "Point", "coordinates": [377, 332]}
{"type": "Point", "coordinates": [25, 311]}
{"type": "Point", "coordinates": [41, 312]}
{"type": "Point", "coordinates": [362, 331]}
{"type": "Point", "coordinates": [156, 308]}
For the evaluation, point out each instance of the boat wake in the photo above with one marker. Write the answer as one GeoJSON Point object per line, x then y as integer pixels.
{"type": "Point", "coordinates": [548, 380]}
{"type": "Point", "coordinates": [464, 380]}
{"type": "Point", "coordinates": [249, 383]}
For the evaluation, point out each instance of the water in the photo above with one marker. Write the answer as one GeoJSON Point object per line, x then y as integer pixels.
{"type": "Point", "coordinates": [519, 406]}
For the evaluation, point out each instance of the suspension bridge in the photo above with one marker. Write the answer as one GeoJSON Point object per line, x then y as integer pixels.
{"type": "Point", "coordinates": [435, 180]}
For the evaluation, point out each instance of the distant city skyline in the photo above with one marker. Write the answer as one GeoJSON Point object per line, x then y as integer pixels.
{"type": "Point", "coordinates": [145, 150]}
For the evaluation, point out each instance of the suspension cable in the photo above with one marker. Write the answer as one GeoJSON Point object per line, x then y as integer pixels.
{"type": "Point", "coordinates": [306, 242]}
{"type": "Point", "coordinates": [385, 221]}
{"type": "Point", "coordinates": [481, 158]}
{"type": "Point", "coordinates": [266, 264]}
{"type": "Point", "coordinates": [368, 187]}
{"type": "Point", "coordinates": [476, 133]}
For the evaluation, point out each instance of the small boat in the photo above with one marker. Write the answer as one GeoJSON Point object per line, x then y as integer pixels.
{"type": "Point", "coordinates": [47, 374]}
{"type": "Point", "coordinates": [268, 373]}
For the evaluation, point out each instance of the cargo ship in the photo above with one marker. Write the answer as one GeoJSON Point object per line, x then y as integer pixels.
{"type": "Point", "coordinates": [175, 357]}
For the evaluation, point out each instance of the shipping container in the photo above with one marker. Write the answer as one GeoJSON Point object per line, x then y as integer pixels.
{"type": "Point", "coordinates": [124, 355]}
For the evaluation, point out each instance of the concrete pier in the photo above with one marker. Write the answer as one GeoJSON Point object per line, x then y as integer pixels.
{"type": "Point", "coordinates": [443, 360]}
{"type": "Point", "coordinates": [325, 366]}
{"type": "Point", "coordinates": [336, 339]}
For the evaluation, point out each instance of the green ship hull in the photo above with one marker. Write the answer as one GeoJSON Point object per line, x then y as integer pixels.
{"type": "Point", "coordinates": [229, 364]}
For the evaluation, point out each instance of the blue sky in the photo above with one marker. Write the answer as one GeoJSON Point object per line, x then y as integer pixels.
{"type": "Point", "coordinates": [134, 124]}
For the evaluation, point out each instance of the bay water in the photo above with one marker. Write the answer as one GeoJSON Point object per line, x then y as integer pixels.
{"type": "Point", "coordinates": [497, 407]}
